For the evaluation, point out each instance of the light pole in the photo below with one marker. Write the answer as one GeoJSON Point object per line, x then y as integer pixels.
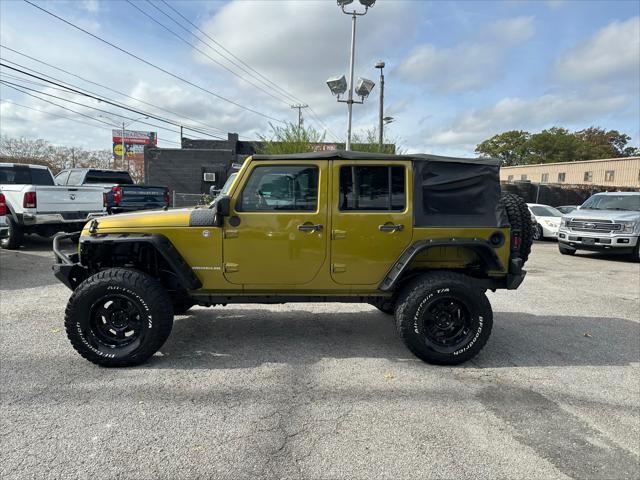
{"type": "Point", "coordinates": [364, 86]}
{"type": "Point", "coordinates": [380, 65]}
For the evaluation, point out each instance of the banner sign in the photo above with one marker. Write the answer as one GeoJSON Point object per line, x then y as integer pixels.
{"type": "Point", "coordinates": [134, 142]}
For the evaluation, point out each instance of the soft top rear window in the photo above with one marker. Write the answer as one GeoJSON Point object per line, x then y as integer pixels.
{"type": "Point", "coordinates": [117, 178]}
{"type": "Point", "coordinates": [23, 175]}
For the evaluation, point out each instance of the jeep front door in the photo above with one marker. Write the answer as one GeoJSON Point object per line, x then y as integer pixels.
{"type": "Point", "coordinates": [276, 233]}
{"type": "Point", "coordinates": [371, 219]}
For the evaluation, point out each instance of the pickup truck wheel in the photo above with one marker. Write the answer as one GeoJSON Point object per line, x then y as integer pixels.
{"type": "Point", "coordinates": [444, 320]}
{"type": "Point", "coordinates": [520, 219]}
{"type": "Point", "coordinates": [118, 317]}
{"type": "Point", "coordinates": [635, 255]}
{"type": "Point", "coordinates": [14, 235]}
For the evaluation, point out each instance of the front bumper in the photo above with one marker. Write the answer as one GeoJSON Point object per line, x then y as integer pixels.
{"type": "Point", "coordinates": [67, 268]}
{"type": "Point", "coordinates": [596, 241]}
{"type": "Point", "coordinates": [59, 218]}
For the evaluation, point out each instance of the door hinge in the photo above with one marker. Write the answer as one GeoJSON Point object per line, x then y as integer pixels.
{"type": "Point", "coordinates": [338, 234]}
{"type": "Point", "coordinates": [231, 267]}
{"type": "Point", "coordinates": [338, 267]}
{"type": "Point", "coordinates": [231, 234]}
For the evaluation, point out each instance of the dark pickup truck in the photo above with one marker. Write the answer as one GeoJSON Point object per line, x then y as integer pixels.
{"type": "Point", "coordinates": [121, 193]}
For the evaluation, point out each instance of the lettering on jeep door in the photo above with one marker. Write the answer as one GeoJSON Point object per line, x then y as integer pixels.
{"type": "Point", "coordinates": [276, 233]}
{"type": "Point", "coordinates": [371, 219]}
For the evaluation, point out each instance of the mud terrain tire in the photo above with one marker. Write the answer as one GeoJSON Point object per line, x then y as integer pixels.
{"type": "Point", "coordinates": [520, 219]}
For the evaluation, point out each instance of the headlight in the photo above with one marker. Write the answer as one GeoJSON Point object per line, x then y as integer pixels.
{"type": "Point", "coordinates": [549, 223]}
{"type": "Point", "coordinates": [564, 221]}
{"type": "Point", "coordinates": [627, 227]}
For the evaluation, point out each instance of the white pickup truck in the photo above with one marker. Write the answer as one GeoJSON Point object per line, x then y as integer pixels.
{"type": "Point", "coordinates": [34, 204]}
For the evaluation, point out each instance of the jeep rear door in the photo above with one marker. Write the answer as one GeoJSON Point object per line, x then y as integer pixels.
{"type": "Point", "coordinates": [371, 218]}
{"type": "Point", "coordinates": [276, 232]}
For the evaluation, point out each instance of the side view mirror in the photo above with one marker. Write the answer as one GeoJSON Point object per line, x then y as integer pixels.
{"type": "Point", "coordinates": [213, 191]}
{"type": "Point", "coordinates": [223, 206]}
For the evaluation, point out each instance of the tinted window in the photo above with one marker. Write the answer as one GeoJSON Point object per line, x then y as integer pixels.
{"type": "Point", "coordinates": [61, 178]}
{"type": "Point", "coordinates": [372, 188]}
{"type": "Point", "coordinates": [291, 188]}
{"type": "Point", "coordinates": [116, 178]}
{"type": "Point", "coordinates": [18, 175]}
{"type": "Point", "coordinates": [75, 177]}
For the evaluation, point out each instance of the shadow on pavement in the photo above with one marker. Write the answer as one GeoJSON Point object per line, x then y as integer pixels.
{"type": "Point", "coordinates": [227, 338]}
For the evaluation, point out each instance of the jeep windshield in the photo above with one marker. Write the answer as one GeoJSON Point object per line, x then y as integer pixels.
{"type": "Point", "coordinates": [613, 202]}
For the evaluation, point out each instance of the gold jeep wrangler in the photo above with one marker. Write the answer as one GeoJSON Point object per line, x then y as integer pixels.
{"type": "Point", "coordinates": [421, 237]}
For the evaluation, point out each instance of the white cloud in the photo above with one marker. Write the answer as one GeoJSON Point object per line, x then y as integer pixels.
{"type": "Point", "coordinates": [613, 53]}
{"type": "Point", "coordinates": [469, 65]}
{"type": "Point", "coordinates": [473, 126]}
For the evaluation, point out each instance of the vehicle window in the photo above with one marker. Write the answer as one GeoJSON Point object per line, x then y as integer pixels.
{"type": "Point", "coordinates": [15, 175]}
{"type": "Point", "coordinates": [613, 202]}
{"type": "Point", "coordinates": [75, 177]}
{"type": "Point", "coordinates": [542, 211]}
{"type": "Point", "coordinates": [372, 188]}
{"type": "Point", "coordinates": [281, 187]}
{"type": "Point", "coordinates": [41, 176]}
{"type": "Point", "coordinates": [227, 185]}
{"type": "Point", "coordinates": [114, 178]}
{"type": "Point", "coordinates": [61, 178]}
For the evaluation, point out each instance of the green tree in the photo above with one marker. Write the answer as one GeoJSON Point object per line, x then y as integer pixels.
{"type": "Point", "coordinates": [369, 141]}
{"type": "Point", "coordinates": [511, 147]}
{"type": "Point", "coordinates": [554, 145]}
{"type": "Point", "coordinates": [289, 139]}
{"type": "Point", "coordinates": [601, 143]}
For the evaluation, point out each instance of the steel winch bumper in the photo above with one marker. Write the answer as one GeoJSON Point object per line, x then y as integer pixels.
{"type": "Point", "coordinates": [67, 268]}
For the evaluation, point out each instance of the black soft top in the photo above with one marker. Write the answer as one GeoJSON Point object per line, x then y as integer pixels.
{"type": "Point", "coordinates": [350, 155]}
{"type": "Point", "coordinates": [447, 191]}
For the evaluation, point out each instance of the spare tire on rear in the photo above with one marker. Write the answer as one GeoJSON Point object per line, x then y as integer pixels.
{"type": "Point", "coordinates": [520, 219]}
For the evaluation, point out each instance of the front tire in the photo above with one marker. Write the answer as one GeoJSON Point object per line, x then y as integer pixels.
{"type": "Point", "coordinates": [566, 250]}
{"type": "Point", "coordinates": [443, 319]}
{"type": "Point", "coordinates": [538, 234]}
{"type": "Point", "coordinates": [118, 317]}
{"type": "Point", "coordinates": [14, 236]}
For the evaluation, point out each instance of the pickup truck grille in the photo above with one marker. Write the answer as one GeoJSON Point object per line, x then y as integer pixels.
{"type": "Point", "coordinates": [599, 226]}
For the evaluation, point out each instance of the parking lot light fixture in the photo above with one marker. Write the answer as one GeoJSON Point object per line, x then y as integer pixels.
{"type": "Point", "coordinates": [368, 84]}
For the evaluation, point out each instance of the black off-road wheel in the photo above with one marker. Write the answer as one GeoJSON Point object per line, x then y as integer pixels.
{"type": "Point", "coordinates": [520, 219]}
{"type": "Point", "coordinates": [118, 317]}
{"type": "Point", "coordinates": [14, 236]}
{"type": "Point", "coordinates": [443, 319]}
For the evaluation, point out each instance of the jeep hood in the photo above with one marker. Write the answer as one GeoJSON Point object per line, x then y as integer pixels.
{"type": "Point", "coordinates": [145, 219]}
{"type": "Point", "coordinates": [621, 215]}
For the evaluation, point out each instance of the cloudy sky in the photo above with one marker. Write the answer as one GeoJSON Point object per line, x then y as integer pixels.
{"type": "Point", "coordinates": [457, 72]}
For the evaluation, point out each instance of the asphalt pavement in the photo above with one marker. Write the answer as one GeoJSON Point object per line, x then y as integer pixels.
{"type": "Point", "coordinates": [327, 391]}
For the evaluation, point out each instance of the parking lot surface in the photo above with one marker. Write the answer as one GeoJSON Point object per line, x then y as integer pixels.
{"type": "Point", "coordinates": [328, 391]}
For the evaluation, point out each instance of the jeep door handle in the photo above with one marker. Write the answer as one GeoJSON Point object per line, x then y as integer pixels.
{"type": "Point", "coordinates": [308, 227]}
{"type": "Point", "coordinates": [387, 227]}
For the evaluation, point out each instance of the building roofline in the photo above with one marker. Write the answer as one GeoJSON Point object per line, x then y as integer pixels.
{"type": "Point", "coordinates": [571, 163]}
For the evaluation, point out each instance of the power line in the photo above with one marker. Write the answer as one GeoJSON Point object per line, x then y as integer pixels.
{"type": "Point", "coordinates": [22, 88]}
{"type": "Point", "coordinates": [202, 52]}
{"type": "Point", "coordinates": [146, 62]}
{"type": "Point", "coordinates": [266, 79]}
{"type": "Point", "coordinates": [93, 96]}
{"type": "Point", "coordinates": [99, 85]}
{"type": "Point", "coordinates": [65, 116]}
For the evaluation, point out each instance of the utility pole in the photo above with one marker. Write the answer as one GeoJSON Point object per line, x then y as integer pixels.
{"type": "Point", "coordinates": [380, 65]}
{"type": "Point", "coordinates": [300, 106]}
{"type": "Point", "coordinates": [122, 144]}
{"type": "Point", "coordinates": [181, 134]}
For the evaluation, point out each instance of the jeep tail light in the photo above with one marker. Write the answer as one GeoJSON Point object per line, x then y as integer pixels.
{"type": "Point", "coordinates": [117, 194]}
{"type": "Point", "coordinates": [3, 205]}
{"type": "Point", "coordinates": [30, 200]}
{"type": "Point", "coordinates": [516, 241]}
{"type": "Point", "coordinates": [167, 197]}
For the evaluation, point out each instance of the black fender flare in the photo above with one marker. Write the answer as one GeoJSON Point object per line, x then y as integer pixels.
{"type": "Point", "coordinates": [13, 214]}
{"type": "Point", "coordinates": [481, 247]}
{"type": "Point", "coordinates": [186, 276]}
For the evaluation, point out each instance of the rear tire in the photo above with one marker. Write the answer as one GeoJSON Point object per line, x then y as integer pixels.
{"type": "Point", "coordinates": [118, 317]}
{"type": "Point", "coordinates": [14, 236]}
{"type": "Point", "coordinates": [443, 319]}
{"type": "Point", "coordinates": [520, 219]}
